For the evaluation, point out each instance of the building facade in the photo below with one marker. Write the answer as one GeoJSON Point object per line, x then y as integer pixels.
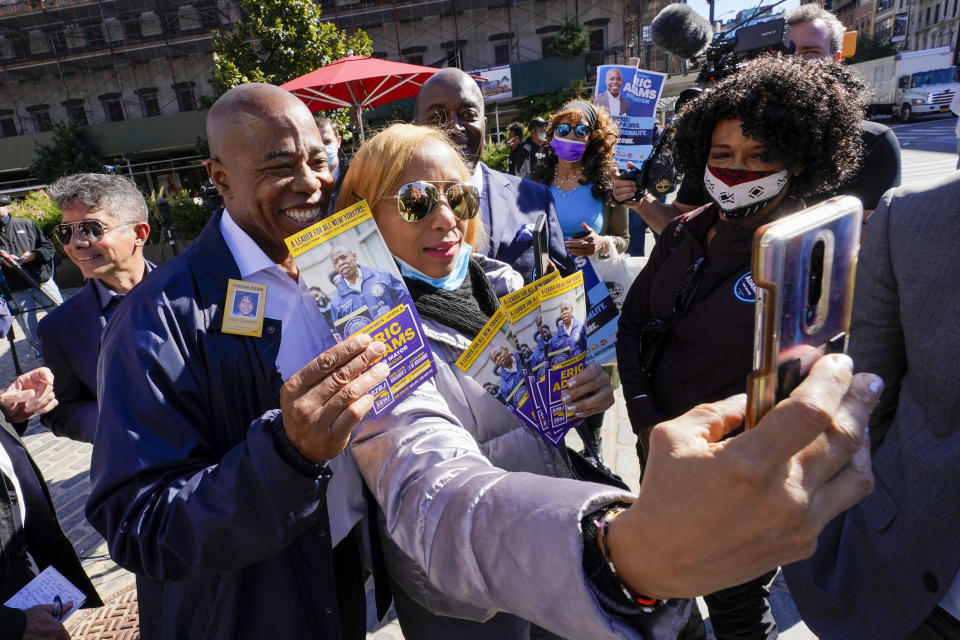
{"type": "Point", "coordinates": [137, 72]}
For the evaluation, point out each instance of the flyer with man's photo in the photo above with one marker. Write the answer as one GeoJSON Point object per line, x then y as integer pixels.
{"type": "Point", "coordinates": [494, 361]}
{"type": "Point", "coordinates": [564, 310]}
{"type": "Point", "coordinates": [523, 318]}
{"type": "Point", "coordinates": [352, 275]}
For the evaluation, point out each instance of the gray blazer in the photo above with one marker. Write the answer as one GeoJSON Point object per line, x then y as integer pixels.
{"type": "Point", "coordinates": [883, 566]}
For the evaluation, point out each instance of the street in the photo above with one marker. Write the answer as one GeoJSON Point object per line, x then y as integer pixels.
{"type": "Point", "coordinates": [928, 148]}
{"type": "Point", "coordinates": [928, 154]}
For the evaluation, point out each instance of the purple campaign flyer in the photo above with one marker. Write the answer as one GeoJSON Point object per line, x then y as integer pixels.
{"type": "Point", "coordinates": [357, 287]}
{"type": "Point", "coordinates": [494, 361]}
{"type": "Point", "coordinates": [563, 307]}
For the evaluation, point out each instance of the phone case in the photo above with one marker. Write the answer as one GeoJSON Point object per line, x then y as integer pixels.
{"type": "Point", "coordinates": [804, 267]}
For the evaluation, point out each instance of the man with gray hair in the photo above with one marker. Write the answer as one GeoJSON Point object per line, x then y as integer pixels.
{"type": "Point", "coordinates": [103, 230]}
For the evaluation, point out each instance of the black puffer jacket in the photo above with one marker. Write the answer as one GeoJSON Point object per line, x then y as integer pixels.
{"type": "Point", "coordinates": [19, 235]}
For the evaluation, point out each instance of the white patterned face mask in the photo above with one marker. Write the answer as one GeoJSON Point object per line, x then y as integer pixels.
{"type": "Point", "coordinates": [740, 193]}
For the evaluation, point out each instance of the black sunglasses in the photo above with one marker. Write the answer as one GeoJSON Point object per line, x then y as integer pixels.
{"type": "Point", "coordinates": [417, 200]}
{"type": "Point", "coordinates": [91, 230]}
{"type": "Point", "coordinates": [581, 130]}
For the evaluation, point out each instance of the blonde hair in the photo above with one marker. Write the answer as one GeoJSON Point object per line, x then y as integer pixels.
{"type": "Point", "coordinates": [380, 162]}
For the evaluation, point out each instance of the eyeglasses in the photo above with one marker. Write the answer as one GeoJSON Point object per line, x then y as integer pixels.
{"type": "Point", "coordinates": [581, 130]}
{"type": "Point", "coordinates": [89, 230]}
{"type": "Point", "coordinates": [417, 200]}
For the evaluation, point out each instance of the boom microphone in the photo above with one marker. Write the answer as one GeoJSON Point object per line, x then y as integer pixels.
{"type": "Point", "coordinates": [680, 30]}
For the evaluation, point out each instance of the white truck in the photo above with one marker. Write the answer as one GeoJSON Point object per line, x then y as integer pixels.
{"type": "Point", "coordinates": [912, 83]}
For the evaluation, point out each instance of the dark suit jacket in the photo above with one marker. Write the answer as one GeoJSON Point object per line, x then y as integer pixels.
{"type": "Point", "coordinates": [883, 566]}
{"type": "Point", "coordinates": [510, 207]}
{"type": "Point", "coordinates": [70, 342]}
{"type": "Point", "coordinates": [46, 541]}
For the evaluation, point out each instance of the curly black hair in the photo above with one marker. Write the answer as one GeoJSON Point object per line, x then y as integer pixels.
{"type": "Point", "coordinates": [807, 113]}
{"type": "Point", "coordinates": [597, 157]}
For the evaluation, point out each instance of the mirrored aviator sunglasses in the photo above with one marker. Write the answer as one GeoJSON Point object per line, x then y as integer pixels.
{"type": "Point", "coordinates": [417, 200]}
{"type": "Point", "coordinates": [91, 230]}
{"type": "Point", "coordinates": [581, 130]}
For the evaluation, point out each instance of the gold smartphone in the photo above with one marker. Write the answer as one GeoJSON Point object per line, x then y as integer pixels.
{"type": "Point", "coordinates": [804, 267]}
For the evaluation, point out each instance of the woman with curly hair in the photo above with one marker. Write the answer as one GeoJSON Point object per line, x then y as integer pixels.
{"type": "Point", "coordinates": [778, 131]}
{"type": "Point", "coordinates": [579, 156]}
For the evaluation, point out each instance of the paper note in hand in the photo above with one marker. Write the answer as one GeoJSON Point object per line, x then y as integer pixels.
{"type": "Point", "coordinates": [44, 588]}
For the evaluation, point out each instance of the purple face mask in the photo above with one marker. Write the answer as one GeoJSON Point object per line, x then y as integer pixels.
{"type": "Point", "coordinates": [568, 150]}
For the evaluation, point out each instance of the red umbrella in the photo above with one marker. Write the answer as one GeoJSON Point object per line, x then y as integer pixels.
{"type": "Point", "coordinates": [358, 82]}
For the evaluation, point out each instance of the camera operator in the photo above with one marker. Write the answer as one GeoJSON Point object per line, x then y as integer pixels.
{"type": "Point", "coordinates": [814, 33]}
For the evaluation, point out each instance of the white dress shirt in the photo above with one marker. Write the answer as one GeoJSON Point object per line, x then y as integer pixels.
{"type": "Point", "coordinates": [305, 334]}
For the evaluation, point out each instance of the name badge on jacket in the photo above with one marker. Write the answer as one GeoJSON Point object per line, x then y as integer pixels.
{"type": "Point", "coordinates": [243, 308]}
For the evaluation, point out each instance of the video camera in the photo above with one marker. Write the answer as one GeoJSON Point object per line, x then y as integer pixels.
{"type": "Point", "coordinates": [729, 51]}
{"type": "Point", "coordinates": [212, 200]}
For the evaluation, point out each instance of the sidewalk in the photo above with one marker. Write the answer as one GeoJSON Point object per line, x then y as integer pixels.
{"type": "Point", "coordinates": [65, 465]}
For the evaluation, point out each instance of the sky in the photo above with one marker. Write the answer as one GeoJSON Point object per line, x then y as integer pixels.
{"type": "Point", "coordinates": [727, 9]}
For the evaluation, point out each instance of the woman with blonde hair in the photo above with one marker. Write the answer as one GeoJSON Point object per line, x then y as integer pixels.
{"type": "Point", "coordinates": [419, 190]}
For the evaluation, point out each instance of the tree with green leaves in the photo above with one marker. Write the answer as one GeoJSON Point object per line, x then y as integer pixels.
{"type": "Point", "coordinates": [70, 151]}
{"type": "Point", "coordinates": [280, 40]}
{"type": "Point", "coordinates": [871, 48]}
{"type": "Point", "coordinates": [570, 41]}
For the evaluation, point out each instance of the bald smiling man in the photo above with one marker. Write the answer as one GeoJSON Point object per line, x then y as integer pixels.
{"type": "Point", "coordinates": [218, 476]}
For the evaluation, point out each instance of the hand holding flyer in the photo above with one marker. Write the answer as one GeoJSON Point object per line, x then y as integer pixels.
{"type": "Point", "coordinates": [349, 270]}
{"type": "Point", "coordinates": [563, 306]}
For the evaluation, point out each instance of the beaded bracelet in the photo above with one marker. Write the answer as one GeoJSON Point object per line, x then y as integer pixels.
{"type": "Point", "coordinates": [647, 603]}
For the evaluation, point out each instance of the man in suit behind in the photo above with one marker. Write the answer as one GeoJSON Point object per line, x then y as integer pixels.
{"type": "Point", "coordinates": [30, 536]}
{"type": "Point", "coordinates": [103, 232]}
{"type": "Point", "coordinates": [509, 205]}
{"type": "Point", "coordinates": [889, 568]}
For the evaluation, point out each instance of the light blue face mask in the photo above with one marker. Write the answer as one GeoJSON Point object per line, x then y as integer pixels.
{"type": "Point", "coordinates": [331, 155]}
{"type": "Point", "coordinates": [451, 281]}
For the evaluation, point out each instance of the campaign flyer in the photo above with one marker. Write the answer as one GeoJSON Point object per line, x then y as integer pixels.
{"type": "Point", "coordinates": [523, 316]}
{"type": "Point", "coordinates": [493, 360]}
{"type": "Point", "coordinates": [564, 310]}
{"type": "Point", "coordinates": [602, 315]}
{"type": "Point", "coordinates": [631, 96]}
{"type": "Point", "coordinates": [355, 281]}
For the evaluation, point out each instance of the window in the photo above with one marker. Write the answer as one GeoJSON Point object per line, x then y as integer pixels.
{"type": "Point", "coordinates": [112, 107]}
{"type": "Point", "coordinates": [501, 54]}
{"type": "Point", "coordinates": [596, 40]}
{"type": "Point", "coordinates": [455, 58]}
{"type": "Point", "coordinates": [928, 15]}
{"type": "Point", "coordinates": [149, 103]}
{"type": "Point", "coordinates": [21, 45]}
{"type": "Point", "coordinates": [94, 34]}
{"type": "Point", "coordinates": [936, 13]}
{"type": "Point", "coordinates": [76, 111]}
{"type": "Point", "coordinates": [40, 113]}
{"type": "Point", "coordinates": [185, 97]}
{"type": "Point", "coordinates": [954, 7]}
{"type": "Point", "coordinates": [8, 127]}
{"type": "Point", "coordinates": [58, 41]}
{"type": "Point", "coordinates": [415, 59]}
{"type": "Point", "coordinates": [132, 28]}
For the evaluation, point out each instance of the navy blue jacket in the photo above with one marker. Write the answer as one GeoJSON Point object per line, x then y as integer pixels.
{"type": "Point", "coordinates": [510, 207]}
{"type": "Point", "coordinates": [565, 345]}
{"type": "Point", "coordinates": [70, 341]}
{"type": "Point", "coordinates": [193, 482]}
{"type": "Point", "coordinates": [379, 292]}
